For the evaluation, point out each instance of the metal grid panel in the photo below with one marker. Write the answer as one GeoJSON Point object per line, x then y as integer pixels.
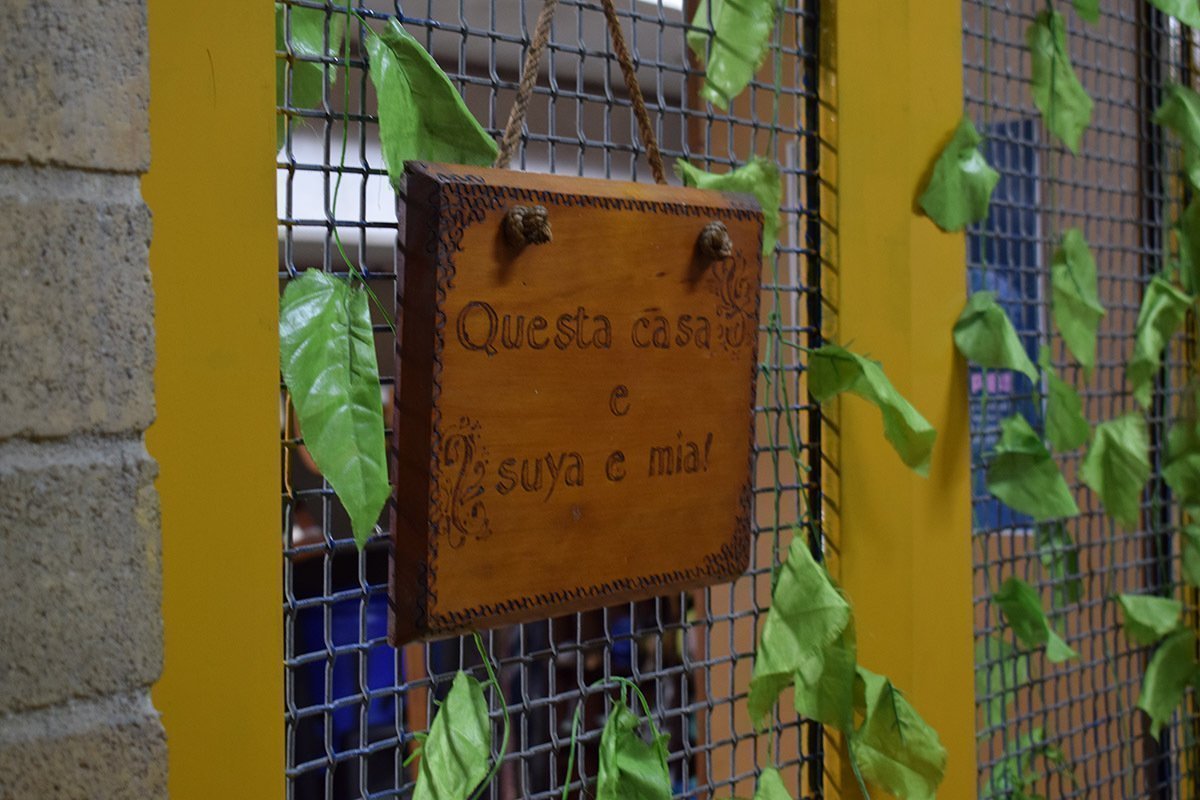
{"type": "Point", "coordinates": [1122, 193]}
{"type": "Point", "coordinates": [353, 704]}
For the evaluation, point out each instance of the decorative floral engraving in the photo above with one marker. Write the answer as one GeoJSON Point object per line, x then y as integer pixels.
{"type": "Point", "coordinates": [731, 280]}
{"type": "Point", "coordinates": [461, 512]}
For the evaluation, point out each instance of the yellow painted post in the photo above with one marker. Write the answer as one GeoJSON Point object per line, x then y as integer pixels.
{"type": "Point", "coordinates": [211, 187]}
{"type": "Point", "coordinates": [894, 84]}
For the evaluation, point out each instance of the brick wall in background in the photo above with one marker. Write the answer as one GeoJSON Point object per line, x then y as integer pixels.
{"type": "Point", "coordinates": [80, 572]}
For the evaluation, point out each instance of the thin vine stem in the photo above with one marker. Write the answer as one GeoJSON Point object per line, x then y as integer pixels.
{"type": "Point", "coordinates": [337, 186]}
{"type": "Point", "coordinates": [494, 682]}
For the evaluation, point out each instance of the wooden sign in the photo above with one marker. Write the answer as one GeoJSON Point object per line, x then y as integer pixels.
{"type": "Point", "coordinates": [574, 422]}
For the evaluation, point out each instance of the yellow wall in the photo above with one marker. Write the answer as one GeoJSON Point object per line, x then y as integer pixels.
{"type": "Point", "coordinates": [893, 83]}
{"type": "Point", "coordinates": [211, 187]}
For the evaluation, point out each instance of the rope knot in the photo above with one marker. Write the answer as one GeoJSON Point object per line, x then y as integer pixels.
{"type": "Point", "coordinates": [714, 242]}
{"type": "Point", "coordinates": [527, 225]}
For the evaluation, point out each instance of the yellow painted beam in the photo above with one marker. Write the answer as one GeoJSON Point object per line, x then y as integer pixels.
{"type": "Point", "coordinates": [894, 84]}
{"type": "Point", "coordinates": [211, 187]}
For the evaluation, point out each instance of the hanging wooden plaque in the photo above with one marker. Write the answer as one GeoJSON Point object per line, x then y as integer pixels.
{"type": "Point", "coordinates": [574, 422]}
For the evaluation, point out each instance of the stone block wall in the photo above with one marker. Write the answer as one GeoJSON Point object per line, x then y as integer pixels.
{"type": "Point", "coordinates": [80, 568]}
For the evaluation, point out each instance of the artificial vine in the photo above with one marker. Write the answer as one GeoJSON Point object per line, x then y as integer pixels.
{"type": "Point", "coordinates": [1022, 471]}
{"type": "Point", "coordinates": [328, 364]}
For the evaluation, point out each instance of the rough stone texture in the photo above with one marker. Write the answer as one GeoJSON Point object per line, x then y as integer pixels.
{"type": "Point", "coordinates": [110, 749]}
{"type": "Point", "coordinates": [80, 564]}
{"type": "Point", "coordinates": [76, 324]}
{"type": "Point", "coordinates": [75, 83]}
{"type": "Point", "coordinates": [80, 576]}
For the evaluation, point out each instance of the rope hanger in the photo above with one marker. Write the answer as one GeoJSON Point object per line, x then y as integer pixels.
{"type": "Point", "coordinates": [541, 37]}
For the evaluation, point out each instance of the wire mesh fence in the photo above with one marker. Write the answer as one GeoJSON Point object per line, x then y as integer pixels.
{"type": "Point", "coordinates": [1073, 729]}
{"type": "Point", "coordinates": [353, 704]}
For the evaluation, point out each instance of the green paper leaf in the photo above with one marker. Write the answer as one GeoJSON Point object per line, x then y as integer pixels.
{"type": "Point", "coordinates": [1088, 10]}
{"type": "Point", "coordinates": [807, 615]}
{"type": "Point", "coordinates": [996, 686]}
{"type": "Point", "coordinates": [631, 769]}
{"type": "Point", "coordinates": [1186, 11]}
{"type": "Point", "coordinates": [307, 42]}
{"type": "Point", "coordinates": [1172, 668]}
{"type": "Point", "coordinates": [455, 754]}
{"type": "Point", "coordinates": [422, 117]}
{"type": "Point", "coordinates": [962, 182]}
{"type": "Point", "coordinates": [1187, 232]}
{"type": "Point", "coordinates": [759, 177]}
{"type": "Point", "coordinates": [895, 748]}
{"type": "Point", "coordinates": [1163, 310]}
{"type": "Point", "coordinates": [741, 33]}
{"type": "Point", "coordinates": [1180, 113]}
{"type": "Point", "coordinates": [985, 336]}
{"type": "Point", "coordinates": [1117, 466]}
{"type": "Point", "coordinates": [1058, 94]}
{"type": "Point", "coordinates": [1014, 775]}
{"type": "Point", "coordinates": [1059, 556]}
{"type": "Point", "coordinates": [1023, 475]}
{"type": "Point", "coordinates": [833, 369]}
{"type": "Point", "coordinates": [771, 786]}
{"type": "Point", "coordinates": [1076, 304]}
{"type": "Point", "coordinates": [1190, 545]}
{"type": "Point", "coordinates": [824, 687]}
{"type": "Point", "coordinates": [1023, 610]}
{"type": "Point", "coordinates": [327, 356]}
{"type": "Point", "coordinates": [1182, 468]}
{"type": "Point", "coordinates": [1066, 426]}
{"type": "Point", "coordinates": [1148, 618]}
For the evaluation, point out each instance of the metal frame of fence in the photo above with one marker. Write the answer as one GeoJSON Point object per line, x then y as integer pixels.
{"type": "Point", "coordinates": [353, 705]}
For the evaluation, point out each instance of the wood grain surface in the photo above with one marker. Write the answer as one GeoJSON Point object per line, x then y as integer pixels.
{"type": "Point", "coordinates": [574, 419]}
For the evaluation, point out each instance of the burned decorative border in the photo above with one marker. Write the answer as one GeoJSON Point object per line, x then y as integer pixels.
{"type": "Point", "coordinates": [461, 200]}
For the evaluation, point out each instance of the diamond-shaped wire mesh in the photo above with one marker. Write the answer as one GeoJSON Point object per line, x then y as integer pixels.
{"type": "Point", "coordinates": [353, 704]}
{"type": "Point", "coordinates": [1122, 191]}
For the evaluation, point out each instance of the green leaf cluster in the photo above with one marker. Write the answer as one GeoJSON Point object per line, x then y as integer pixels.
{"type": "Point", "coordinates": [422, 117]}
{"type": "Point", "coordinates": [1171, 670]}
{"type": "Point", "coordinates": [1076, 303]}
{"type": "Point", "coordinates": [833, 370]}
{"type": "Point", "coordinates": [1014, 775]}
{"type": "Point", "coordinates": [1117, 466]}
{"type": "Point", "coordinates": [308, 53]}
{"type": "Point", "coordinates": [759, 178]}
{"type": "Point", "coordinates": [736, 47]}
{"type": "Point", "coordinates": [1059, 557]}
{"type": "Point", "coordinates": [1023, 474]}
{"type": "Point", "coordinates": [1163, 310]}
{"type": "Point", "coordinates": [1187, 236]}
{"type": "Point", "coordinates": [808, 643]}
{"type": "Point", "coordinates": [1065, 105]}
{"type": "Point", "coordinates": [985, 336]}
{"type": "Point", "coordinates": [1088, 10]}
{"type": "Point", "coordinates": [961, 184]}
{"type": "Point", "coordinates": [1182, 468]}
{"type": "Point", "coordinates": [1022, 609]}
{"type": "Point", "coordinates": [631, 768]}
{"type": "Point", "coordinates": [894, 747]}
{"type": "Point", "coordinates": [455, 754]}
{"type": "Point", "coordinates": [803, 644]}
{"type": "Point", "coordinates": [1066, 426]}
{"type": "Point", "coordinates": [1186, 11]}
{"type": "Point", "coordinates": [1149, 618]}
{"type": "Point", "coordinates": [1180, 114]}
{"type": "Point", "coordinates": [327, 357]}
{"type": "Point", "coordinates": [1173, 667]}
